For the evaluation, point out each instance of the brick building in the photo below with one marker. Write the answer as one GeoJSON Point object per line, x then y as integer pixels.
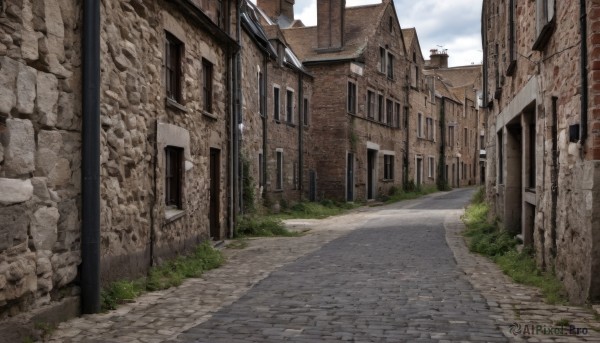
{"type": "Point", "coordinates": [543, 118]}
{"type": "Point", "coordinates": [357, 58]}
{"type": "Point", "coordinates": [276, 117]}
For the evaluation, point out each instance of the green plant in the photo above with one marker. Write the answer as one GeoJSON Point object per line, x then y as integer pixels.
{"type": "Point", "coordinates": [253, 226]}
{"type": "Point", "coordinates": [487, 238]}
{"type": "Point", "coordinates": [400, 195]}
{"type": "Point", "coordinates": [28, 339]}
{"type": "Point", "coordinates": [239, 244]}
{"type": "Point", "coordinates": [248, 187]}
{"type": "Point", "coordinates": [562, 322]}
{"type": "Point", "coordinates": [169, 274]}
{"type": "Point", "coordinates": [45, 329]}
{"type": "Point", "coordinates": [410, 186]}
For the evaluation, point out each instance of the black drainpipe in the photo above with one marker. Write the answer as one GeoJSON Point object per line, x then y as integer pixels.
{"type": "Point", "coordinates": [300, 131]}
{"type": "Point", "coordinates": [584, 73]}
{"type": "Point", "coordinates": [90, 160]}
{"type": "Point", "coordinates": [264, 126]}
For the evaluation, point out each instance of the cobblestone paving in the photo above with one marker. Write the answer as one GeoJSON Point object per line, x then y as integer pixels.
{"type": "Point", "coordinates": [393, 280]}
{"type": "Point", "coordinates": [379, 274]}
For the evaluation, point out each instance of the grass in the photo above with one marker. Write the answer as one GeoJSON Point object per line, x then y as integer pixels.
{"type": "Point", "coordinates": [486, 238]}
{"type": "Point", "coordinates": [168, 274]}
{"type": "Point", "coordinates": [262, 226]}
{"type": "Point", "coordinates": [400, 195]}
{"type": "Point", "coordinates": [314, 210]}
{"type": "Point", "coordinates": [238, 244]}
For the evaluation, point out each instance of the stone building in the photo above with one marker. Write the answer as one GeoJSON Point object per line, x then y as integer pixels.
{"type": "Point", "coordinates": [357, 58]}
{"type": "Point", "coordinates": [164, 140]}
{"type": "Point", "coordinates": [541, 92]}
{"type": "Point", "coordinates": [277, 95]}
{"type": "Point", "coordinates": [421, 119]}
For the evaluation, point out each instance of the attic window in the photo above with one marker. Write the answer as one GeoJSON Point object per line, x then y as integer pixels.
{"type": "Point", "coordinates": [391, 24]}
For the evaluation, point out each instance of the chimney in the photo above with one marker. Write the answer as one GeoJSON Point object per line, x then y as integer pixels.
{"type": "Point", "coordinates": [276, 8]}
{"type": "Point", "coordinates": [330, 24]}
{"type": "Point", "coordinates": [438, 59]}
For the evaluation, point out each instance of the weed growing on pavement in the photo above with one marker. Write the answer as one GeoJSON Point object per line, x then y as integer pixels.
{"type": "Point", "coordinates": [239, 244]}
{"type": "Point", "coordinates": [169, 274]}
{"type": "Point", "coordinates": [411, 192]}
{"type": "Point", "coordinates": [313, 210]}
{"type": "Point", "coordinates": [259, 226]}
{"type": "Point", "coordinates": [487, 238]}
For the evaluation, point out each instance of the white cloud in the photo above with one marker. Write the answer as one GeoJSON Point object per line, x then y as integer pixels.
{"type": "Point", "coordinates": [454, 25]}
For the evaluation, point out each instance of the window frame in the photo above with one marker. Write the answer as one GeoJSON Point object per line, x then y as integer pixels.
{"type": "Point", "coordinates": [420, 125]}
{"type": "Point", "coordinates": [279, 169]}
{"type": "Point", "coordinates": [351, 100]}
{"type": "Point", "coordinates": [380, 107]}
{"type": "Point", "coordinates": [371, 97]}
{"type": "Point", "coordinates": [207, 85]}
{"type": "Point", "coordinates": [174, 50]}
{"type": "Point", "coordinates": [289, 105]}
{"type": "Point", "coordinates": [431, 169]}
{"type": "Point", "coordinates": [262, 102]}
{"type": "Point", "coordinates": [390, 65]}
{"type": "Point", "coordinates": [276, 103]}
{"type": "Point", "coordinates": [389, 111]}
{"type": "Point", "coordinates": [388, 167]}
{"type": "Point", "coordinates": [174, 161]}
{"type": "Point", "coordinates": [545, 23]}
{"type": "Point", "coordinates": [305, 111]}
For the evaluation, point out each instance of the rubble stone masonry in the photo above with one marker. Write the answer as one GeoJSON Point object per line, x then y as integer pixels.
{"type": "Point", "coordinates": [542, 181]}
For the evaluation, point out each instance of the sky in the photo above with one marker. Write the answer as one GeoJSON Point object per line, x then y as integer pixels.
{"type": "Point", "coordinates": [452, 25]}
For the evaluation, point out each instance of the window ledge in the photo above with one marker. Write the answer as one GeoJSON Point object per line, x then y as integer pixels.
{"type": "Point", "coordinates": [175, 105]}
{"type": "Point", "coordinates": [290, 124]}
{"type": "Point", "coordinates": [544, 37]}
{"type": "Point", "coordinates": [210, 115]}
{"type": "Point", "coordinates": [277, 121]}
{"type": "Point", "coordinates": [172, 214]}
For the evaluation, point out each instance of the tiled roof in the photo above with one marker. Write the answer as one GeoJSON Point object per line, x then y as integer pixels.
{"type": "Point", "coordinates": [409, 35]}
{"type": "Point", "coordinates": [360, 24]}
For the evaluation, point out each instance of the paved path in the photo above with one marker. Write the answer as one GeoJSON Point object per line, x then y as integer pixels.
{"type": "Point", "coordinates": [393, 280]}
{"type": "Point", "coordinates": [397, 273]}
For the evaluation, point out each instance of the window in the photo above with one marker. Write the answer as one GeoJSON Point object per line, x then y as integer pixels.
{"type": "Point", "coordinates": [351, 97]}
{"type": "Point", "coordinates": [390, 65]}
{"type": "Point", "coordinates": [380, 105]}
{"type": "Point", "coordinates": [397, 115]}
{"type": "Point", "coordinates": [279, 181]}
{"type": "Point", "coordinates": [512, 37]}
{"type": "Point", "coordinates": [382, 62]}
{"type": "Point", "coordinates": [289, 101]}
{"type": "Point", "coordinates": [482, 142]}
{"type": "Point", "coordinates": [261, 93]}
{"type": "Point", "coordinates": [500, 159]}
{"type": "Point", "coordinates": [532, 166]}
{"type": "Point", "coordinates": [451, 136]}
{"type": "Point", "coordinates": [305, 111]}
{"type": "Point", "coordinates": [431, 172]}
{"type": "Point", "coordinates": [220, 19]}
{"type": "Point", "coordinates": [370, 104]}
{"type": "Point", "coordinates": [420, 126]}
{"type": "Point", "coordinates": [173, 176]}
{"type": "Point", "coordinates": [276, 103]}
{"type": "Point", "coordinates": [391, 24]}
{"type": "Point", "coordinates": [388, 167]}
{"type": "Point", "coordinates": [389, 110]}
{"type": "Point", "coordinates": [466, 137]}
{"type": "Point", "coordinates": [544, 22]}
{"type": "Point", "coordinates": [429, 128]}
{"type": "Point", "coordinates": [207, 85]}
{"type": "Point", "coordinates": [173, 54]}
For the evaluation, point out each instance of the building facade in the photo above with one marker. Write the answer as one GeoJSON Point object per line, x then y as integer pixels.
{"type": "Point", "coordinates": [543, 147]}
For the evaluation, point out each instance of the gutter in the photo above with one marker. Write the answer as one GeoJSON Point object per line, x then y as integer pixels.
{"type": "Point", "coordinates": [584, 73]}
{"type": "Point", "coordinates": [90, 160]}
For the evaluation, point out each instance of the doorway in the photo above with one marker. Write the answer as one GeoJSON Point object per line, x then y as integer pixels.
{"type": "Point", "coordinates": [350, 177]}
{"type": "Point", "coordinates": [371, 174]}
{"type": "Point", "coordinates": [215, 194]}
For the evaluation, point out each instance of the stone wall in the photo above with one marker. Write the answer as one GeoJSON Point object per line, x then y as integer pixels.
{"type": "Point", "coordinates": [137, 228]}
{"type": "Point", "coordinates": [40, 123]}
{"type": "Point", "coordinates": [560, 227]}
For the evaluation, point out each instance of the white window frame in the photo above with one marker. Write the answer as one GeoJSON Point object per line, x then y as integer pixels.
{"type": "Point", "coordinates": [431, 170]}
{"type": "Point", "coordinates": [420, 125]}
{"type": "Point", "coordinates": [287, 90]}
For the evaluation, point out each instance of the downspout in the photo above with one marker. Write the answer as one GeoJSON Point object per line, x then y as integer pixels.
{"type": "Point", "coordinates": [406, 128]}
{"type": "Point", "coordinates": [443, 184]}
{"type": "Point", "coordinates": [584, 73]}
{"type": "Point", "coordinates": [233, 168]}
{"type": "Point", "coordinates": [264, 128]}
{"type": "Point", "coordinates": [300, 131]}
{"type": "Point", "coordinates": [90, 160]}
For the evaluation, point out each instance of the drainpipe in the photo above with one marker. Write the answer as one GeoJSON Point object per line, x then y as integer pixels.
{"type": "Point", "coordinates": [300, 131]}
{"type": "Point", "coordinates": [235, 201]}
{"type": "Point", "coordinates": [264, 126]}
{"type": "Point", "coordinates": [584, 73]}
{"type": "Point", "coordinates": [554, 177]}
{"type": "Point", "coordinates": [90, 160]}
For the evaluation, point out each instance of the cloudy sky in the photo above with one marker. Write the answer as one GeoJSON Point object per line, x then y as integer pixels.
{"type": "Point", "coordinates": [453, 24]}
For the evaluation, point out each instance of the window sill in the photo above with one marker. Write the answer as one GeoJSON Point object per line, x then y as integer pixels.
{"type": "Point", "coordinates": [172, 214]}
{"type": "Point", "coordinates": [175, 105]}
{"type": "Point", "coordinates": [387, 180]}
{"type": "Point", "coordinates": [290, 124]}
{"type": "Point", "coordinates": [277, 121]}
{"type": "Point", "coordinates": [210, 115]}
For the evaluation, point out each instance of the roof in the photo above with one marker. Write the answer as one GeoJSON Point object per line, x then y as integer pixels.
{"type": "Point", "coordinates": [409, 35]}
{"type": "Point", "coordinates": [357, 32]}
{"type": "Point", "coordinates": [461, 76]}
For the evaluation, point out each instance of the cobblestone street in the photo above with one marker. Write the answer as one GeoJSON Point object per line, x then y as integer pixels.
{"type": "Point", "coordinates": [397, 273]}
